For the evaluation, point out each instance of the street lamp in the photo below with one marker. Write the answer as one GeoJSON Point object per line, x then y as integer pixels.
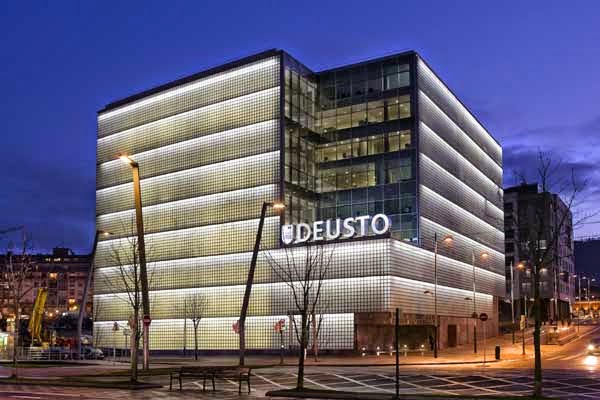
{"type": "Point", "coordinates": [447, 240]}
{"type": "Point", "coordinates": [139, 220]}
{"type": "Point", "coordinates": [278, 206]}
{"type": "Point", "coordinates": [484, 255]}
{"type": "Point", "coordinates": [88, 282]}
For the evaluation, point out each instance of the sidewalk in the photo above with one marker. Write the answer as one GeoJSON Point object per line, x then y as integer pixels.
{"type": "Point", "coordinates": [161, 364]}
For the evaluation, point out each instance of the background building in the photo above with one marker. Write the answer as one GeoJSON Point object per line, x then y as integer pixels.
{"type": "Point", "coordinates": [63, 273]}
{"type": "Point", "coordinates": [522, 204]}
{"type": "Point", "coordinates": [382, 136]}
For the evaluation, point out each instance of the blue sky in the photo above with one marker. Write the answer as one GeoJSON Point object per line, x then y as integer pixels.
{"type": "Point", "coordinates": [528, 70]}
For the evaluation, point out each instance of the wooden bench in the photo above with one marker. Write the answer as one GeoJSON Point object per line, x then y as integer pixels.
{"type": "Point", "coordinates": [211, 373]}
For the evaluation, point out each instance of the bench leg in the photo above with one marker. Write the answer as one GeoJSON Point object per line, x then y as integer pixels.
{"type": "Point", "coordinates": [180, 385]}
{"type": "Point", "coordinates": [204, 383]}
{"type": "Point", "coordinates": [248, 383]}
{"type": "Point", "coordinates": [240, 384]}
{"type": "Point", "coordinates": [213, 382]}
{"type": "Point", "coordinates": [170, 382]}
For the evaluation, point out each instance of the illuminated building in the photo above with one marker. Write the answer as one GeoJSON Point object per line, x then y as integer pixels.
{"type": "Point", "coordinates": [383, 136]}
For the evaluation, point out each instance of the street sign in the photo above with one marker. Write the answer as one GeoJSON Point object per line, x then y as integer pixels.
{"type": "Point", "coordinates": [483, 317]}
{"type": "Point", "coordinates": [474, 315]}
{"type": "Point", "coordinates": [236, 327]}
{"type": "Point", "coordinates": [522, 323]}
{"type": "Point", "coordinates": [146, 320]}
{"type": "Point", "coordinates": [115, 327]}
{"type": "Point", "coordinates": [126, 332]}
{"type": "Point", "coordinates": [279, 325]}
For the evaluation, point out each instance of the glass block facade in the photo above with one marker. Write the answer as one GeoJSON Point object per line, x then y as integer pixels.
{"type": "Point", "coordinates": [383, 136]}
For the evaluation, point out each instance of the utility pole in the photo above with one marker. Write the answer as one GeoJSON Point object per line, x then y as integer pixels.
{"type": "Point", "coordinates": [512, 301]}
{"type": "Point", "coordinates": [250, 280]}
{"type": "Point", "coordinates": [86, 288]}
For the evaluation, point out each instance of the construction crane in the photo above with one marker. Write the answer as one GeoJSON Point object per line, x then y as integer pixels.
{"type": "Point", "coordinates": [37, 314]}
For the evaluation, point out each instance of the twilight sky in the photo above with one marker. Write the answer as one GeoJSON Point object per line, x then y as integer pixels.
{"type": "Point", "coordinates": [528, 70]}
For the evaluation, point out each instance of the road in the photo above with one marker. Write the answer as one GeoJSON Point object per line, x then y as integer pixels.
{"type": "Point", "coordinates": [569, 373]}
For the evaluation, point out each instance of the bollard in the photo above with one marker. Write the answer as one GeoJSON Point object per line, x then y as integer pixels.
{"type": "Point", "coordinates": [364, 351]}
{"type": "Point", "coordinates": [405, 347]}
{"type": "Point", "coordinates": [497, 353]}
{"type": "Point", "coordinates": [378, 351]}
{"type": "Point", "coordinates": [391, 350]}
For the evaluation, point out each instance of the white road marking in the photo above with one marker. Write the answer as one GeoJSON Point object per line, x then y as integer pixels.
{"type": "Point", "coordinates": [467, 384]}
{"type": "Point", "coordinates": [362, 383]}
{"type": "Point", "coordinates": [314, 383]}
{"type": "Point", "coordinates": [25, 397]}
{"type": "Point", "coordinates": [431, 389]}
{"type": "Point", "coordinates": [269, 381]}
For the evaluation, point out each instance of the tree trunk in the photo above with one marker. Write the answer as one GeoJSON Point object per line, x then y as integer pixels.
{"type": "Point", "coordinates": [16, 340]}
{"type": "Point", "coordinates": [315, 344]}
{"type": "Point", "coordinates": [242, 334]}
{"type": "Point", "coordinates": [537, 388]}
{"type": "Point", "coordinates": [184, 335]}
{"type": "Point", "coordinates": [196, 340]}
{"type": "Point", "coordinates": [134, 346]}
{"type": "Point", "coordinates": [303, 345]}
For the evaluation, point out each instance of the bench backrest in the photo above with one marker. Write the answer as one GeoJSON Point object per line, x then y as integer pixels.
{"type": "Point", "coordinates": [197, 369]}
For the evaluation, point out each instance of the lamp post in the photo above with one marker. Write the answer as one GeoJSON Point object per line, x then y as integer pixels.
{"type": "Point", "coordinates": [250, 280]}
{"type": "Point", "coordinates": [86, 287]}
{"type": "Point", "coordinates": [474, 315]}
{"type": "Point", "coordinates": [139, 221]}
{"type": "Point", "coordinates": [590, 280]}
{"type": "Point", "coordinates": [578, 277]}
{"type": "Point", "coordinates": [512, 301]}
{"type": "Point", "coordinates": [447, 239]}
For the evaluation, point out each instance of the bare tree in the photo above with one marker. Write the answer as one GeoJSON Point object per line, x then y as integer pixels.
{"type": "Point", "coordinates": [316, 323]}
{"type": "Point", "coordinates": [17, 273]}
{"type": "Point", "coordinates": [547, 223]}
{"type": "Point", "coordinates": [303, 270]}
{"type": "Point", "coordinates": [128, 289]}
{"type": "Point", "coordinates": [195, 306]}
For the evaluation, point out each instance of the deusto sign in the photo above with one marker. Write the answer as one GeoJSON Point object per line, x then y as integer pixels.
{"type": "Point", "coordinates": [332, 229]}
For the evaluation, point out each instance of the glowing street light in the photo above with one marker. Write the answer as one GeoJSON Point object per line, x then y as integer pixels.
{"type": "Point", "coordinates": [139, 220]}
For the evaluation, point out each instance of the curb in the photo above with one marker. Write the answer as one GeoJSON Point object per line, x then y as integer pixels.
{"type": "Point", "coordinates": [75, 383]}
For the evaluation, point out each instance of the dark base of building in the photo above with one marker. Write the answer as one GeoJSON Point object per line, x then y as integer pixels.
{"type": "Point", "coordinates": [417, 332]}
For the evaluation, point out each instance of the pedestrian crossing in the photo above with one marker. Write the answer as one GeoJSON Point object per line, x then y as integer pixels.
{"type": "Point", "coordinates": [564, 357]}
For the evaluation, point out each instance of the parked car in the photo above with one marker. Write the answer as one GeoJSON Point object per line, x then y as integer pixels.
{"type": "Point", "coordinates": [92, 353]}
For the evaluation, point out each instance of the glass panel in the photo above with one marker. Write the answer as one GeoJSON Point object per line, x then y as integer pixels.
{"type": "Point", "coordinates": [375, 193]}
{"type": "Point", "coordinates": [359, 148]}
{"type": "Point", "coordinates": [394, 141]}
{"type": "Point", "coordinates": [329, 153]}
{"type": "Point", "coordinates": [359, 195]}
{"type": "Point", "coordinates": [376, 145]}
{"type": "Point", "coordinates": [391, 207]}
{"type": "Point", "coordinates": [344, 150]}
{"type": "Point", "coordinates": [360, 209]}
{"type": "Point", "coordinates": [404, 139]}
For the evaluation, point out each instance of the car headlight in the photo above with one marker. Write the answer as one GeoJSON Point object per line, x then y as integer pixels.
{"type": "Point", "coordinates": [591, 347]}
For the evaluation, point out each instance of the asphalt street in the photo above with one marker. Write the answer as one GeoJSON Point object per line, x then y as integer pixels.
{"type": "Point", "coordinates": [569, 373]}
